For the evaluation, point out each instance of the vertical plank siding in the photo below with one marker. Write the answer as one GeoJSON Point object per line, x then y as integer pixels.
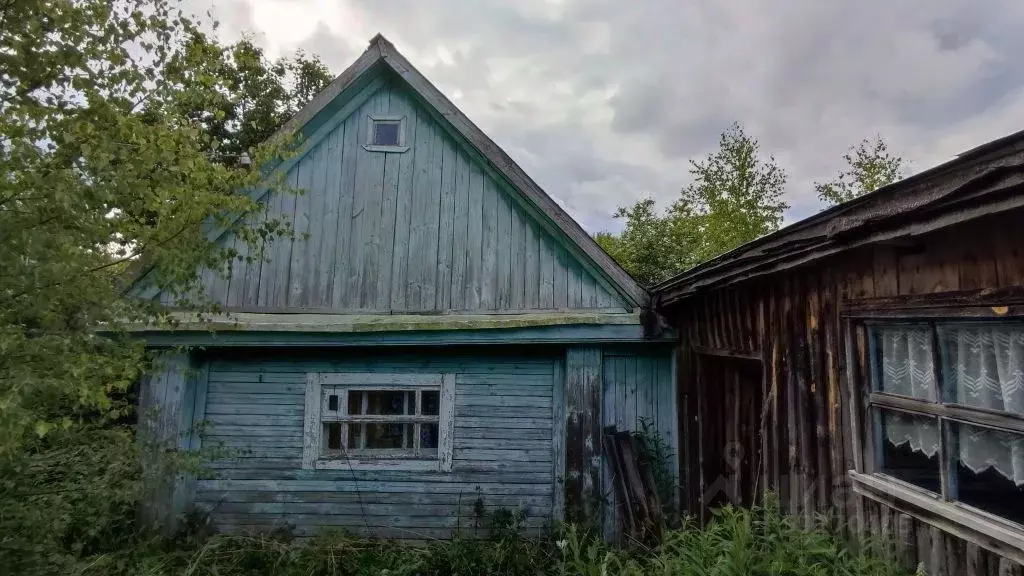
{"type": "Point", "coordinates": [773, 351]}
{"type": "Point", "coordinates": [638, 393]}
{"type": "Point", "coordinates": [503, 447]}
{"type": "Point", "coordinates": [427, 229]}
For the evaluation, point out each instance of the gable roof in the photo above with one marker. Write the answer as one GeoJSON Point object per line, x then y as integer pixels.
{"type": "Point", "coordinates": [988, 179]}
{"type": "Point", "coordinates": [381, 52]}
{"type": "Point", "coordinates": [380, 56]}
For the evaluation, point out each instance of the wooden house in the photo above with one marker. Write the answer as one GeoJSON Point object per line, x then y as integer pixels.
{"type": "Point", "coordinates": [869, 362]}
{"type": "Point", "coordinates": [438, 332]}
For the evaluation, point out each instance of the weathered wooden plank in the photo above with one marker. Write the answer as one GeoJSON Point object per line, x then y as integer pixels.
{"type": "Point", "coordinates": [476, 220]}
{"type": "Point", "coordinates": [559, 431]}
{"type": "Point", "coordinates": [978, 262]}
{"type": "Point", "coordinates": [531, 278]}
{"type": "Point", "coordinates": [299, 274]}
{"type": "Point", "coordinates": [404, 205]}
{"type": "Point", "coordinates": [504, 434]}
{"type": "Point", "coordinates": [412, 486]}
{"type": "Point", "coordinates": [342, 294]}
{"type": "Point", "coordinates": [423, 249]}
{"type": "Point", "coordinates": [1009, 254]}
{"type": "Point", "coordinates": [574, 286]}
{"type": "Point", "coordinates": [489, 249]}
{"type": "Point", "coordinates": [885, 274]}
{"type": "Point", "coordinates": [546, 289]}
{"type": "Point", "coordinates": [221, 430]}
{"type": "Point", "coordinates": [371, 509]}
{"type": "Point", "coordinates": [235, 293]}
{"type": "Point", "coordinates": [495, 400]}
{"type": "Point", "coordinates": [517, 264]}
{"type": "Point", "coordinates": [540, 445]}
{"type": "Point", "coordinates": [504, 246]}
{"type": "Point", "coordinates": [454, 501]}
{"type": "Point", "coordinates": [583, 445]}
{"type": "Point", "coordinates": [463, 411]}
{"type": "Point", "coordinates": [369, 214]}
{"type": "Point", "coordinates": [446, 225]}
{"type": "Point", "coordinates": [326, 181]}
{"type": "Point", "coordinates": [268, 409]}
{"type": "Point", "coordinates": [460, 231]}
{"type": "Point", "coordinates": [253, 398]}
{"type": "Point", "coordinates": [254, 268]}
{"type": "Point", "coordinates": [560, 289]}
{"type": "Point", "coordinates": [609, 399]}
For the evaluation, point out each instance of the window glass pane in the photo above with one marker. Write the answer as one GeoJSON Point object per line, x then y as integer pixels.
{"type": "Point", "coordinates": [984, 365]}
{"type": "Point", "coordinates": [909, 448]}
{"type": "Point", "coordinates": [332, 402]}
{"type": "Point", "coordinates": [428, 436]}
{"type": "Point", "coordinates": [383, 402]}
{"type": "Point", "coordinates": [333, 432]}
{"type": "Point", "coordinates": [431, 402]}
{"type": "Point", "coordinates": [385, 133]}
{"type": "Point", "coordinates": [990, 470]}
{"type": "Point", "coordinates": [354, 434]}
{"type": "Point", "coordinates": [905, 362]}
{"type": "Point", "coordinates": [388, 435]}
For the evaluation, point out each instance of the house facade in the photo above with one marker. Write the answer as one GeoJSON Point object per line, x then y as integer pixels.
{"type": "Point", "coordinates": [437, 333]}
{"type": "Point", "coordinates": [868, 362]}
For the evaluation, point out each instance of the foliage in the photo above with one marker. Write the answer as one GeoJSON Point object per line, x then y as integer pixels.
{"type": "Point", "coordinates": [736, 542]}
{"type": "Point", "coordinates": [104, 158]}
{"type": "Point", "coordinates": [657, 452]}
{"type": "Point", "coordinates": [244, 97]}
{"type": "Point", "coordinates": [735, 197]}
{"type": "Point", "coordinates": [870, 166]}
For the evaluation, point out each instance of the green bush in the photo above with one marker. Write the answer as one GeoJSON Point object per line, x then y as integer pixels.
{"type": "Point", "coordinates": [754, 542]}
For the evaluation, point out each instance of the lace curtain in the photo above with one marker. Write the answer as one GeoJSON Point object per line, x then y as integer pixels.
{"type": "Point", "coordinates": [985, 367]}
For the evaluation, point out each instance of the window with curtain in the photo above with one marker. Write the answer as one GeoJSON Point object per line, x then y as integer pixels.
{"type": "Point", "coordinates": [947, 410]}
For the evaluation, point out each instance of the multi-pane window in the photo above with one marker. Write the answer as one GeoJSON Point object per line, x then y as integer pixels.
{"type": "Point", "coordinates": [396, 422]}
{"type": "Point", "coordinates": [385, 133]}
{"type": "Point", "coordinates": [391, 420]}
{"type": "Point", "coordinates": [947, 410]}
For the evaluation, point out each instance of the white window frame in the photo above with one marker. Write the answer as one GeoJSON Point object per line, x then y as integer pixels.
{"type": "Point", "coordinates": [316, 414]}
{"type": "Point", "coordinates": [373, 119]}
{"type": "Point", "coordinates": [995, 533]}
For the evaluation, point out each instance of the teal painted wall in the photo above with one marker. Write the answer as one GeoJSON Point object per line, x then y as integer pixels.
{"type": "Point", "coordinates": [503, 449]}
{"type": "Point", "coordinates": [426, 229]}
{"type": "Point", "coordinates": [638, 387]}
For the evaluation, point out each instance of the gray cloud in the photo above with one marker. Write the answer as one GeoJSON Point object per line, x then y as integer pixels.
{"type": "Point", "coordinates": [604, 102]}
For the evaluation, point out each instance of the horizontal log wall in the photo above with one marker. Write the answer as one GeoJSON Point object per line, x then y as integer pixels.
{"type": "Point", "coordinates": [788, 326]}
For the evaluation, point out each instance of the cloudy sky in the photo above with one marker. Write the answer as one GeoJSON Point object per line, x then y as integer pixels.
{"type": "Point", "coordinates": [605, 101]}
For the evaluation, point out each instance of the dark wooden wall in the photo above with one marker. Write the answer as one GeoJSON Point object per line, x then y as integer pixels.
{"type": "Point", "coordinates": [787, 328]}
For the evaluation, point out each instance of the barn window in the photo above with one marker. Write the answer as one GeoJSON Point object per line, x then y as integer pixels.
{"type": "Point", "coordinates": [946, 410]}
{"type": "Point", "coordinates": [385, 133]}
{"type": "Point", "coordinates": [395, 421]}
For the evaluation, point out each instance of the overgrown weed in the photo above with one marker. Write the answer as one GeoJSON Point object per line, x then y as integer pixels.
{"type": "Point", "coordinates": [758, 541]}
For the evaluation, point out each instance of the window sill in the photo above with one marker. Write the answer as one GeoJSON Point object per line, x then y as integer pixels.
{"type": "Point", "coordinates": [402, 464]}
{"type": "Point", "coordinates": [373, 148]}
{"type": "Point", "coordinates": [1000, 536]}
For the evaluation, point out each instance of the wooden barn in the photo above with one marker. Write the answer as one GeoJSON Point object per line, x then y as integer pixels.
{"type": "Point", "coordinates": [438, 332]}
{"type": "Point", "coordinates": [869, 362]}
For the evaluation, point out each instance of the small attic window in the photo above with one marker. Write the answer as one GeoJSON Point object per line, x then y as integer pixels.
{"type": "Point", "coordinates": [386, 134]}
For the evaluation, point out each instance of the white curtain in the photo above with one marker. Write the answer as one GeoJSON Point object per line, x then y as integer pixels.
{"type": "Point", "coordinates": [985, 367]}
{"type": "Point", "coordinates": [907, 369]}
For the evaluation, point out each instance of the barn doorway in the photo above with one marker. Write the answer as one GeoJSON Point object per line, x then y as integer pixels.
{"type": "Point", "coordinates": [731, 398]}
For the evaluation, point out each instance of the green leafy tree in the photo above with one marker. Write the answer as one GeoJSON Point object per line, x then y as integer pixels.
{"type": "Point", "coordinates": [870, 166]}
{"type": "Point", "coordinates": [243, 97]}
{"type": "Point", "coordinates": [116, 119]}
{"type": "Point", "coordinates": [735, 197]}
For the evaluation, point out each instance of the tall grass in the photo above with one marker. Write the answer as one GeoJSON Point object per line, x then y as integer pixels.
{"type": "Point", "coordinates": [759, 541]}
